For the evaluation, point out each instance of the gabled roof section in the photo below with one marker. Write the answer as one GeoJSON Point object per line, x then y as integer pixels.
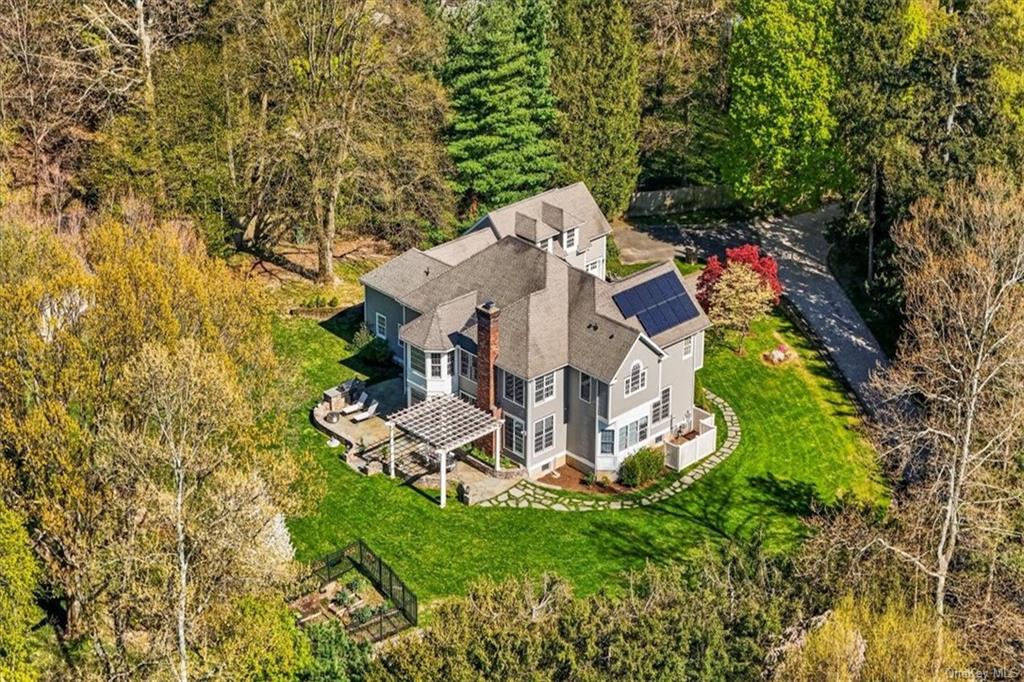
{"type": "Point", "coordinates": [435, 330]}
{"type": "Point", "coordinates": [405, 273]}
{"type": "Point", "coordinates": [597, 343]}
{"type": "Point", "coordinates": [461, 248]}
{"type": "Point", "coordinates": [531, 229]}
{"type": "Point", "coordinates": [504, 272]}
{"type": "Point", "coordinates": [557, 209]}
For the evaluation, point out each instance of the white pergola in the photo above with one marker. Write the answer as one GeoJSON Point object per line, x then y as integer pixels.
{"type": "Point", "coordinates": [444, 423]}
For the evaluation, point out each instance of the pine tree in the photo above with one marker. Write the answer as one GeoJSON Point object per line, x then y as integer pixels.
{"type": "Point", "coordinates": [497, 75]}
{"type": "Point", "coordinates": [597, 86]}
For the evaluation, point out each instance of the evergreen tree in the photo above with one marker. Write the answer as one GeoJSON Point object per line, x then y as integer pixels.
{"type": "Point", "coordinates": [497, 77]}
{"type": "Point", "coordinates": [597, 86]}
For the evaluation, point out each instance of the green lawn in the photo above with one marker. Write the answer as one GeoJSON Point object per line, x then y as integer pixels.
{"type": "Point", "coordinates": [800, 441]}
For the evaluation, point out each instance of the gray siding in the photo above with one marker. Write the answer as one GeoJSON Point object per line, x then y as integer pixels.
{"type": "Point", "coordinates": [581, 419]}
{"type": "Point", "coordinates": [376, 302]}
{"type": "Point", "coordinates": [620, 402]}
{"type": "Point", "coordinates": [553, 406]}
{"type": "Point", "coordinates": [677, 371]}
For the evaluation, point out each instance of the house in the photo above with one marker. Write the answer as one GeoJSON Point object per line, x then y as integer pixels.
{"type": "Point", "coordinates": [516, 317]}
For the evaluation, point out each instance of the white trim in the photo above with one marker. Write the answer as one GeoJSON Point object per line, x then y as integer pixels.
{"type": "Point", "coordinates": [523, 431]}
{"type": "Point", "coordinates": [426, 362]}
{"type": "Point", "coordinates": [533, 434]}
{"type": "Point", "coordinates": [472, 365]}
{"type": "Point", "coordinates": [549, 460]}
{"type": "Point", "coordinates": [504, 388]}
{"type": "Point", "coordinates": [537, 385]}
{"type": "Point", "coordinates": [688, 343]}
{"type": "Point", "coordinates": [590, 388]}
{"type": "Point", "coordinates": [377, 325]}
{"type": "Point", "coordinates": [642, 379]}
{"type": "Point", "coordinates": [658, 400]}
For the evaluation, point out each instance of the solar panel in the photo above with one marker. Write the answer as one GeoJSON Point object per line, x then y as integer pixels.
{"type": "Point", "coordinates": [659, 304]}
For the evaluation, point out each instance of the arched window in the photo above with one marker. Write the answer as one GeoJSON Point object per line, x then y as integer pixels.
{"type": "Point", "coordinates": [637, 379]}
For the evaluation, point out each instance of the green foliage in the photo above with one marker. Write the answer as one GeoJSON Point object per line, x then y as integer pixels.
{"type": "Point", "coordinates": [710, 618]}
{"type": "Point", "coordinates": [782, 151]}
{"type": "Point", "coordinates": [864, 638]}
{"type": "Point", "coordinates": [496, 74]}
{"type": "Point", "coordinates": [262, 643]}
{"type": "Point", "coordinates": [598, 93]}
{"type": "Point", "coordinates": [18, 575]}
{"type": "Point", "coordinates": [643, 466]}
{"type": "Point", "coordinates": [335, 657]}
{"type": "Point", "coordinates": [373, 350]}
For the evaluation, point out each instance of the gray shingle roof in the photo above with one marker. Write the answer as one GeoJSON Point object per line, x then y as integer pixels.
{"type": "Point", "coordinates": [552, 314]}
{"type": "Point", "coordinates": [404, 273]}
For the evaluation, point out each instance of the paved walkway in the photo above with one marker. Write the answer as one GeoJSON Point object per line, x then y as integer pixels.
{"type": "Point", "coordinates": [526, 494]}
{"type": "Point", "coordinates": [798, 244]}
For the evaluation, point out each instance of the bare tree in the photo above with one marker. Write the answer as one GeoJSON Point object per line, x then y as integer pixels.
{"type": "Point", "coordinates": [198, 498]}
{"type": "Point", "coordinates": [956, 418]}
{"type": "Point", "coordinates": [339, 84]}
{"type": "Point", "coordinates": [46, 95]}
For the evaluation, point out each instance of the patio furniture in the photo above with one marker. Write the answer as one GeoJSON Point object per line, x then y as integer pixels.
{"type": "Point", "coordinates": [357, 405]}
{"type": "Point", "coordinates": [367, 413]}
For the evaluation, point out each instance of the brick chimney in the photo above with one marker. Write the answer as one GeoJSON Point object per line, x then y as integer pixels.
{"type": "Point", "coordinates": [486, 354]}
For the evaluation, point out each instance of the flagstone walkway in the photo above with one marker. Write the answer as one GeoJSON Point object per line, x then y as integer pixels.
{"type": "Point", "coordinates": [528, 495]}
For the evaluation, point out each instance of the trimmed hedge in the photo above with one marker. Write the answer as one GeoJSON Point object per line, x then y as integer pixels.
{"type": "Point", "coordinates": [641, 467]}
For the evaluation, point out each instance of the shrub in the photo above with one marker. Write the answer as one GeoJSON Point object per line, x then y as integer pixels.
{"type": "Point", "coordinates": [335, 657]}
{"type": "Point", "coordinates": [363, 615]}
{"type": "Point", "coordinates": [373, 350]}
{"type": "Point", "coordinates": [641, 467]}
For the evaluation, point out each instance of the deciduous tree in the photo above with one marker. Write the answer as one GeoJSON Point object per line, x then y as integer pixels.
{"type": "Point", "coordinates": [18, 577]}
{"type": "Point", "coordinates": [956, 421]}
{"type": "Point", "coordinates": [782, 150]}
{"type": "Point", "coordinates": [740, 298]}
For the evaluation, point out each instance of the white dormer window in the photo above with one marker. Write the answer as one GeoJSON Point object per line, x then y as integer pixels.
{"type": "Point", "coordinates": [637, 379]}
{"type": "Point", "coordinates": [569, 239]}
{"type": "Point", "coordinates": [545, 244]}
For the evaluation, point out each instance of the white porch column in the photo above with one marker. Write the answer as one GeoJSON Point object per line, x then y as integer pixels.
{"type": "Point", "coordinates": [444, 479]}
{"type": "Point", "coordinates": [391, 449]}
{"type": "Point", "coordinates": [497, 440]}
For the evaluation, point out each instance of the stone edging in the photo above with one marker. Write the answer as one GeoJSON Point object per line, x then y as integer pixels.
{"type": "Point", "coordinates": [527, 495]}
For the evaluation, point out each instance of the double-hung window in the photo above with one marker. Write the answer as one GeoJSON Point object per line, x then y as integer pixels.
{"type": "Point", "coordinates": [586, 387]}
{"type": "Point", "coordinates": [514, 389]}
{"type": "Point", "coordinates": [607, 441]}
{"type": "Point", "coordinates": [418, 361]}
{"type": "Point", "coordinates": [662, 408]}
{"type": "Point", "coordinates": [467, 364]}
{"type": "Point", "coordinates": [687, 346]}
{"type": "Point", "coordinates": [451, 363]}
{"type": "Point", "coordinates": [513, 435]}
{"type": "Point", "coordinates": [381, 326]}
{"type": "Point", "coordinates": [569, 239]}
{"type": "Point", "coordinates": [544, 388]}
{"type": "Point", "coordinates": [544, 434]}
{"type": "Point", "coordinates": [637, 379]}
{"type": "Point", "coordinates": [435, 365]}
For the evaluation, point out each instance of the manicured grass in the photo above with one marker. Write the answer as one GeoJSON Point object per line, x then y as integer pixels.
{"type": "Point", "coordinates": [800, 442]}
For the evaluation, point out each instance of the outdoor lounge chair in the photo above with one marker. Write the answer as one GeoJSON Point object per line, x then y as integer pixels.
{"type": "Point", "coordinates": [367, 413]}
{"type": "Point", "coordinates": [357, 405]}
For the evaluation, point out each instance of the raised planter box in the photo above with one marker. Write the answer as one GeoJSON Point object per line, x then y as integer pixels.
{"type": "Point", "coordinates": [683, 452]}
{"type": "Point", "coordinates": [506, 474]}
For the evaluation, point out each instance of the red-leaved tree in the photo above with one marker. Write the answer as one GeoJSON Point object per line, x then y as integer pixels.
{"type": "Point", "coordinates": [748, 254]}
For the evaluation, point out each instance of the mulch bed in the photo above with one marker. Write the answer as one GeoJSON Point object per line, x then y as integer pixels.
{"type": "Point", "coordinates": [572, 479]}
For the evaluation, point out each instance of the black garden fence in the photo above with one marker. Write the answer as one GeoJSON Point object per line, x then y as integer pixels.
{"type": "Point", "coordinates": [358, 556]}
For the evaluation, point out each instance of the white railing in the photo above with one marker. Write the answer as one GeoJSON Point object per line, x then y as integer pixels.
{"type": "Point", "coordinates": [688, 452]}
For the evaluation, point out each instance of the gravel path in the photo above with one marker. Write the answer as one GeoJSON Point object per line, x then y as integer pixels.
{"type": "Point", "coordinates": [528, 495]}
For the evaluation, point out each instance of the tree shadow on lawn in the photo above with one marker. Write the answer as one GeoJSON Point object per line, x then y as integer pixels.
{"type": "Point", "coordinates": [733, 512]}
{"type": "Point", "coordinates": [344, 325]}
